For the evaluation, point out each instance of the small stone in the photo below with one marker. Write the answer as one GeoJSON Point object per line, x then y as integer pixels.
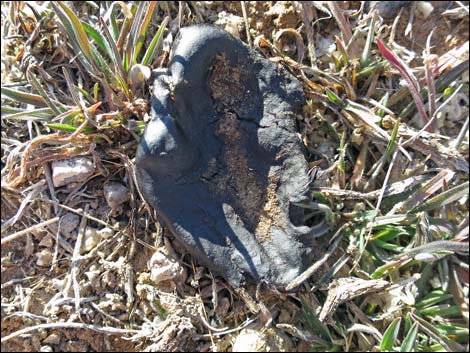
{"type": "Point", "coordinates": [230, 22]}
{"type": "Point", "coordinates": [68, 223]}
{"type": "Point", "coordinates": [46, 242]}
{"type": "Point", "coordinates": [44, 257]}
{"type": "Point", "coordinates": [92, 275]}
{"type": "Point", "coordinates": [426, 8]}
{"type": "Point", "coordinates": [163, 268]}
{"type": "Point", "coordinates": [46, 349]}
{"type": "Point", "coordinates": [270, 340]}
{"type": "Point", "coordinates": [52, 339]}
{"type": "Point", "coordinates": [72, 170]}
{"type": "Point", "coordinates": [249, 341]}
{"type": "Point", "coordinates": [106, 232]}
{"type": "Point", "coordinates": [91, 238]}
{"type": "Point", "coordinates": [115, 194]}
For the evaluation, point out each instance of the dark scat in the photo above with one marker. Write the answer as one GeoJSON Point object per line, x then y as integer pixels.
{"type": "Point", "coordinates": [221, 162]}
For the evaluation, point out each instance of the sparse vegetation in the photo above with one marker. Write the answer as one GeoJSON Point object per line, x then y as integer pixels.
{"type": "Point", "coordinates": [385, 128]}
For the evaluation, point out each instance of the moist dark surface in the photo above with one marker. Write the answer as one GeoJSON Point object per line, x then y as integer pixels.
{"type": "Point", "coordinates": [221, 161]}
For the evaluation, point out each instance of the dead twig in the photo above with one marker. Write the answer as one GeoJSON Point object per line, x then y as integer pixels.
{"type": "Point", "coordinates": [71, 325]}
{"type": "Point", "coordinates": [33, 228]}
{"type": "Point", "coordinates": [247, 24]}
{"type": "Point", "coordinates": [336, 239]}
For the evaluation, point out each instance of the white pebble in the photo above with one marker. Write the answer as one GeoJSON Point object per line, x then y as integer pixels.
{"type": "Point", "coordinates": [106, 232]}
{"type": "Point", "coordinates": [163, 268]}
{"type": "Point", "coordinates": [249, 341]}
{"type": "Point", "coordinates": [426, 8]}
{"type": "Point", "coordinates": [72, 170]}
{"type": "Point", "coordinates": [91, 238]}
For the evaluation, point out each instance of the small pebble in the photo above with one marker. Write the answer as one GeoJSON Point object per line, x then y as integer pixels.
{"type": "Point", "coordinates": [426, 8]}
{"type": "Point", "coordinates": [115, 194]}
{"type": "Point", "coordinates": [92, 275]}
{"type": "Point", "coordinates": [46, 242]}
{"type": "Point", "coordinates": [106, 232]}
{"type": "Point", "coordinates": [72, 170]}
{"type": "Point", "coordinates": [44, 257]}
{"type": "Point", "coordinates": [248, 341]}
{"type": "Point", "coordinates": [230, 22]}
{"type": "Point", "coordinates": [52, 339]}
{"type": "Point", "coordinates": [68, 223]}
{"type": "Point", "coordinates": [163, 268]}
{"type": "Point", "coordinates": [270, 340]}
{"type": "Point", "coordinates": [91, 238]}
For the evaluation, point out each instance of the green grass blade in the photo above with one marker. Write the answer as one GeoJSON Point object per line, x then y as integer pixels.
{"type": "Point", "coordinates": [442, 310]}
{"type": "Point", "coordinates": [391, 143]}
{"type": "Point", "coordinates": [114, 26]}
{"type": "Point", "coordinates": [383, 102]}
{"type": "Point", "coordinates": [392, 265]}
{"type": "Point", "coordinates": [80, 34]}
{"type": "Point", "coordinates": [104, 68]}
{"type": "Point", "coordinates": [391, 219]}
{"type": "Point", "coordinates": [116, 57]}
{"type": "Point", "coordinates": [341, 149]}
{"type": "Point", "coordinates": [390, 335]}
{"type": "Point", "coordinates": [132, 36]}
{"type": "Point", "coordinates": [433, 298]}
{"type": "Point", "coordinates": [444, 198]}
{"type": "Point", "coordinates": [389, 246]}
{"type": "Point", "coordinates": [36, 114]}
{"type": "Point", "coordinates": [71, 33]}
{"type": "Point", "coordinates": [435, 333]}
{"type": "Point", "coordinates": [313, 323]}
{"type": "Point", "coordinates": [24, 97]}
{"type": "Point", "coordinates": [96, 88]}
{"type": "Point", "coordinates": [151, 51]}
{"type": "Point", "coordinates": [379, 165]}
{"type": "Point", "coordinates": [85, 94]}
{"type": "Point", "coordinates": [370, 69]}
{"type": "Point", "coordinates": [143, 30]}
{"type": "Point", "coordinates": [390, 233]}
{"type": "Point", "coordinates": [334, 98]}
{"type": "Point", "coordinates": [370, 39]}
{"type": "Point", "coordinates": [458, 332]}
{"type": "Point", "coordinates": [410, 339]}
{"type": "Point", "coordinates": [54, 105]}
{"type": "Point", "coordinates": [99, 39]}
{"type": "Point", "coordinates": [69, 128]}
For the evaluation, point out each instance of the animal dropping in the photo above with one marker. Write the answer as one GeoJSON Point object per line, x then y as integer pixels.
{"type": "Point", "coordinates": [221, 162]}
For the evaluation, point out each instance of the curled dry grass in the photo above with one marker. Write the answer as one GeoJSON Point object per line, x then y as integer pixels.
{"type": "Point", "coordinates": [389, 161]}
